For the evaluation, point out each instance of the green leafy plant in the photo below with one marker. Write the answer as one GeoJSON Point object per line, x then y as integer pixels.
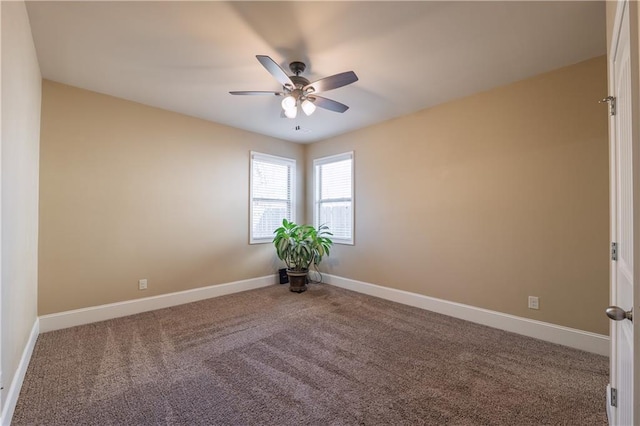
{"type": "Point", "coordinates": [300, 246]}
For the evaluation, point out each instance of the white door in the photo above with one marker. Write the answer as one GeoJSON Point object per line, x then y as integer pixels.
{"type": "Point", "coordinates": [623, 147]}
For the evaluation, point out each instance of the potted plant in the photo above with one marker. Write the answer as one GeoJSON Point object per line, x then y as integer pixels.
{"type": "Point", "coordinates": [300, 246]}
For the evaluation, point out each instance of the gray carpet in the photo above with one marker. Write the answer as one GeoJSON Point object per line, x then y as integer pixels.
{"type": "Point", "coordinates": [324, 357]}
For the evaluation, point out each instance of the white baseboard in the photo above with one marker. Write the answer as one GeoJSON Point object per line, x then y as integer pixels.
{"type": "Point", "coordinates": [16, 384]}
{"type": "Point", "coordinates": [130, 307]}
{"type": "Point", "coordinates": [584, 340]}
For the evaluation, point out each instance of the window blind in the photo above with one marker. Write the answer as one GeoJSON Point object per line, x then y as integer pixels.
{"type": "Point", "coordinates": [334, 196]}
{"type": "Point", "coordinates": [272, 194]}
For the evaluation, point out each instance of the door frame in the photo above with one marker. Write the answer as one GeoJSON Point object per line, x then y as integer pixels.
{"type": "Point", "coordinates": [2, 385]}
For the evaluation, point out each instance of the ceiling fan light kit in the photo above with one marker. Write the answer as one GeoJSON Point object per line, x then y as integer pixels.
{"type": "Point", "coordinates": [308, 107]}
{"type": "Point", "coordinates": [297, 90]}
{"type": "Point", "coordinates": [288, 102]}
{"type": "Point", "coordinates": [291, 112]}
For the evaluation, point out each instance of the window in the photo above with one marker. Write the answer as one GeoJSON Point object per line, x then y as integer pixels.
{"type": "Point", "coordinates": [272, 195]}
{"type": "Point", "coordinates": [333, 183]}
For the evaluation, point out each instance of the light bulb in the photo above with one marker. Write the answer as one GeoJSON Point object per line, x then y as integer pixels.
{"type": "Point", "coordinates": [308, 107]}
{"type": "Point", "coordinates": [288, 102]}
{"type": "Point", "coordinates": [291, 112]}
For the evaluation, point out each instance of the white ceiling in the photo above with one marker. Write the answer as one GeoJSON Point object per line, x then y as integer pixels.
{"type": "Point", "coordinates": [187, 56]}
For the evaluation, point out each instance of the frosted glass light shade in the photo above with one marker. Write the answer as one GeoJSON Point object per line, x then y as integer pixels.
{"type": "Point", "coordinates": [291, 112]}
{"type": "Point", "coordinates": [308, 107]}
{"type": "Point", "coordinates": [288, 102]}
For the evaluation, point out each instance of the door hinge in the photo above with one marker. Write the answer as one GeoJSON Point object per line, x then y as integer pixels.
{"type": "Point", "coordinates": [614, 397]}
{"type": "Point", "coordinates": [611, 100]}
{"type": "Point", "coordinates": [614, 251]}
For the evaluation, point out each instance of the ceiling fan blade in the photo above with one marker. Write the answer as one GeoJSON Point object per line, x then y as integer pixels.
{"type": "Point", "coordinates": [329, 104]}
{"type": "Point", "coordinates": [332, 82]}
{"type": "Point", "coordinates": [250, 92]}
{"type": "Point", "coordinates": [275, 70]}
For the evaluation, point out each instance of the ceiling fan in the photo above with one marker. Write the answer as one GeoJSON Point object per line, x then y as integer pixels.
{"type": "Point", "coordinates": [298, 91]}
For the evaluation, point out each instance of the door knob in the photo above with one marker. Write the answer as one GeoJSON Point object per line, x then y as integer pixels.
{"type": "Point", "coordinates": [619, 314]}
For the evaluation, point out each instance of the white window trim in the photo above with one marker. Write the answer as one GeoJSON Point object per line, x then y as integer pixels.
{"type": "Point", "coordinates": [332, 159]}
{"type": "Point", "coordinates": [291, 162]}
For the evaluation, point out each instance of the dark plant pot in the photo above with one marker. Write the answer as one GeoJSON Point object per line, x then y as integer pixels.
{"type": "Point", "coordinates": [297, 281]}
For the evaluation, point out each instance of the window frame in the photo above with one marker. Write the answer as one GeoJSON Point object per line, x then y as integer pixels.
{"type": "Point", "coordinates": [274, 159]}
{"type": "Point", "coordinates": [318, 162]}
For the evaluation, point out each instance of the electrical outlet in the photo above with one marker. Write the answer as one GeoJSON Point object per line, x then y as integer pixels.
{"type": "Point", "coordinates": [142, 284]}
{"type": "Point", "coordinates": [534, 303]}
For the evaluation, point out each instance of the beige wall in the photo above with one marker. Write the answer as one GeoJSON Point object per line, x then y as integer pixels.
{"type": "Point", "coordinates": [19, 171]}
{"type": "Point", "coordinates": [489, 199]}
{"type": "Point", "coordinates": [130, 191]}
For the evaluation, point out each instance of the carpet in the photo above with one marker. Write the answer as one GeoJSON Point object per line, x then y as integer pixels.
{"type": "Point", "coordinates": [324, 357]}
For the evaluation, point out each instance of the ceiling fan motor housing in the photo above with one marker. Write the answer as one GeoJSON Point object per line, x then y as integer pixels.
{"type": "Point", "coordinates": [299, 82]}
